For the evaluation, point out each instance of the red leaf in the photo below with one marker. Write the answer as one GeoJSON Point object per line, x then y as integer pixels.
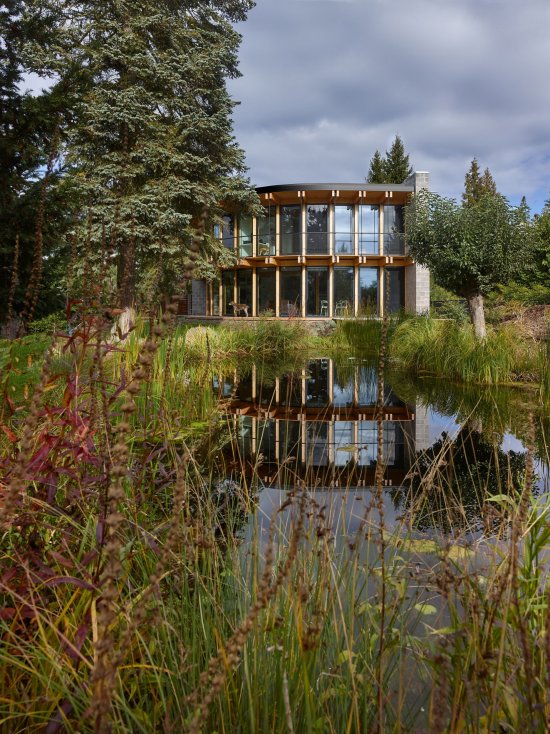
{"type": "Point", "coordinates": [9, 433]}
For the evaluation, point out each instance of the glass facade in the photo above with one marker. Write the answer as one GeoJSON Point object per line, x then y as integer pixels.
{"type": "Point", "coordinates": [245, 236]}
{"type": "Point", "coordinates": [394, 230]}
{"type": "Point", "coordinates": [317, 229]}
{"type": "Point", "coordinates": [344, 230]}
{"type": "Point", "coordinates": [369, 229]}
{"type": "Point", "coordinates": [291, 229]}
{"type": "Point", "coordinates": [267, 231]}
{"type": "Point", "coordinates": [368, 291]}
{"type": "Point", "coordinates": [290, 292]}
{"type": "Point", "coordinates": [317, 292]}
{"type": "Point", "coordinates": [267, 292]}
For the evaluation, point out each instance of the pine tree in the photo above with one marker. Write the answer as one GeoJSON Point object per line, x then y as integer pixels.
{"type": "Point", "coordinates": [152, 139]}
{"type": "Point", "coordinates": [376, 172]}
{"type": "Point", "coordinates": [397, 166]}
{"type": "Point", "coordinates": [488, 185]}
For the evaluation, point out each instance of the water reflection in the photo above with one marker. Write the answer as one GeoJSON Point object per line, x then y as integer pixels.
{"type": "Point", "coordinates": [318, 427]}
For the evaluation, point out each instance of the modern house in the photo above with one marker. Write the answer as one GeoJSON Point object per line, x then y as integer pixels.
{"type": "Point", "coordinates": [320, 251]}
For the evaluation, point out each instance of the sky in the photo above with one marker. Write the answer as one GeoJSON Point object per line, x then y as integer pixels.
{"type": "Point", "coordinates": [327, 82]}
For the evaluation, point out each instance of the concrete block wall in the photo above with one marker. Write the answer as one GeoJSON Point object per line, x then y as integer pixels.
{"type": "Point", "coordinates": [417, 277]}
{"type": "Point", "coordinates": [198, 298]}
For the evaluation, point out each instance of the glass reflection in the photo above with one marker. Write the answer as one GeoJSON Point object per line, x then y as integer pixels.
{"type": "Point", "coordinates": [394, 228]}
{"type": "Point", "coordinates": [317, 229]}
{"type": "Point", "coordinates": [291, 229]}
{"type": "Point", "coordinates": [344, 230]}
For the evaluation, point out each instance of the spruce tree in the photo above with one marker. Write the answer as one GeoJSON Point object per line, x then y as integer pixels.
{"type": "Point", "coordinates": [477, 185]}
{"type": "Point", "coordinates": [397, 166]}
{"type": "Point", "coordinates": [27, 125]}
{"type": "Point", "coordinates": [376, 172]}
{"type": "Point", "coordinates": [151, 142]}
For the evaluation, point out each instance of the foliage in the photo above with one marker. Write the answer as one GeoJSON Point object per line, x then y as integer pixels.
{"type": "Point", "coordinates": [393, 168]}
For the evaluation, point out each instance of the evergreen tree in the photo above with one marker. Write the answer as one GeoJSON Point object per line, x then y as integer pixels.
{"type": "Point", "coordinates": [152, 135]}
{"type": "Point", "coordinates": [27, 126]}
{"type": "Point", "coordinates": [376, 169]}
{"type": "Point", "coordinates": [397, 166]}
{"type": "Point", "coordinates": [477, 185]}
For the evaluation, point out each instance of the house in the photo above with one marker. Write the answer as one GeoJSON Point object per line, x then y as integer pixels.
{"type": "Point", "coordinates": [320, 251]}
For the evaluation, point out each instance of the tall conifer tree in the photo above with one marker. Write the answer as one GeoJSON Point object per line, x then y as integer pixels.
{"type": "Point", "coordinates": [397, 166]}
{"type": "Point", "coordinates": [477, 185]}
{"type": "Point", "coordinates": [376, 172]}
{"type": "Point", "coordinates": [152, 139]}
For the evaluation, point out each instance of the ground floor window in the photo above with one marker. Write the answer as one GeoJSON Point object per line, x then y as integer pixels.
{"type": "Point", "coordinates": [317, 292]}
{"type": "Point", "coordinates": [291, 292]}
{"type": "Point", "coordinates": [315, 287]}
{"type": "Point", "coordinates": [344, 291]}
{"type": "Point", "coordinates": [266, 285]}
{"type": "Point", "coordinates": [227, 292]}
{"type": "Point", "coordinates": [368, 291]}
{"type": "Point", "coordinates": [395, 283]}
{"type": "Point", "coordinates": [244, 292]}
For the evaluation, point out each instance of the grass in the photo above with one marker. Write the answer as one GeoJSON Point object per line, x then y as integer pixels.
{"type": "Point", "coordinates": [445, 348]}
{"type": "Point", "coordinates": [142, 592]}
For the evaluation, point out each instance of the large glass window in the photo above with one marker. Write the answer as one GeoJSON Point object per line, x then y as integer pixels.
{"type": "Point", "coordinates": [245, 236]}
{"type": "Point", "coordinates": [369, 229]}
{"type": "Point", "coordinates": [395, 283]}
{"type": "Point", "coordinates": [344, 292]}
{"type": "Point", "coordinates": [267, 228]}
{"type": "Point", "coordinates": [267, 297]}
{"type": "Point", "coordinates": [317, 229]}
{"type": "Point", "coordinates": [344, 230]}
{"type": "Point", "coordinates": [267, 443]}
{"type": "Point", "coordinates": [317, 292]}
{"type": "Point", "coordinates": [290, 440]}
{"type": "Point", "coordinates": [368, 442]}
{"type": "Point", "coordinates": [291, 229]}
{"type": "Point", "coordinates": [227, 227]}
{"type": "Point", "coordinates": [227, 292]}
{"type": "Point", "coordinates": [291, 292]}
{"type": "Point", "coordinates": [394, 230]}
{"type": "Point", "coordinates": [215, 297]}
{"type": "Point", "coordinates": [368, 291]}
{"type": "Point", "coordinates": [244, 291]}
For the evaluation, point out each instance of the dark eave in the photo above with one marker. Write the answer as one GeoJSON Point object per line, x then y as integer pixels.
{"type": "Point", "coordinates": [335, 187]}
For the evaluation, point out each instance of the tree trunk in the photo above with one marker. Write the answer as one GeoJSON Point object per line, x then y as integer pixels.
{"type": "Point", "coordinates": [477, 315]}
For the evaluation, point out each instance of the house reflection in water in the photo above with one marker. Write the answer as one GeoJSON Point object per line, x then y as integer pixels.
{"type": "Point", "coordinates": [319, 427]}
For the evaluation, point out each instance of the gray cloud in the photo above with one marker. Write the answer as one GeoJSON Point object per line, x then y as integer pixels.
{"type": "Point", "coordinates": [326, 82]}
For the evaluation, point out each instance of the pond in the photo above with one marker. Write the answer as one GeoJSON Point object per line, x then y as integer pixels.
{"type": "Point", "coordinates": [446, 449]}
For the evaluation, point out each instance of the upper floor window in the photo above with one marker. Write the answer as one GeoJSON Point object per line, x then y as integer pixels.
{"type": "Point", "coordinates": [317, 229]}
{"type": "Point", "coordinates": [227, 230]}
{"type": "Point", "coordinates": [291, 229]}
{"type": "Point", "coordinates": [369, 228]}
{"type": "Point", "coordinates": [267, 228]}
{"type": "Point", "coordinates": [394, 230]}
{"type": "Point", "coordinates": [344, 230]}
{"type": "Point", "coordinates": [245, 236]}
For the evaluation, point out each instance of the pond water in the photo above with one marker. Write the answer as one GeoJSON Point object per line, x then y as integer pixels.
{"type": "Point", "coordinates": [446, 449]}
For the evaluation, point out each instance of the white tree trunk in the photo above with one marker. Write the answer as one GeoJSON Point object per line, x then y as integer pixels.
{"type": "Point", "coordinates": [477, 314]}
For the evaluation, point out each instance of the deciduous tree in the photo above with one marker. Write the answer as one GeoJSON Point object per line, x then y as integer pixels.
{"type": "Point", "coordinates": [468, 248]}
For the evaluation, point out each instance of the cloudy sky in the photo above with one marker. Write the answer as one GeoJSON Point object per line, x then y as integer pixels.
{"type": "Point", "coordinates": [326, 82]}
